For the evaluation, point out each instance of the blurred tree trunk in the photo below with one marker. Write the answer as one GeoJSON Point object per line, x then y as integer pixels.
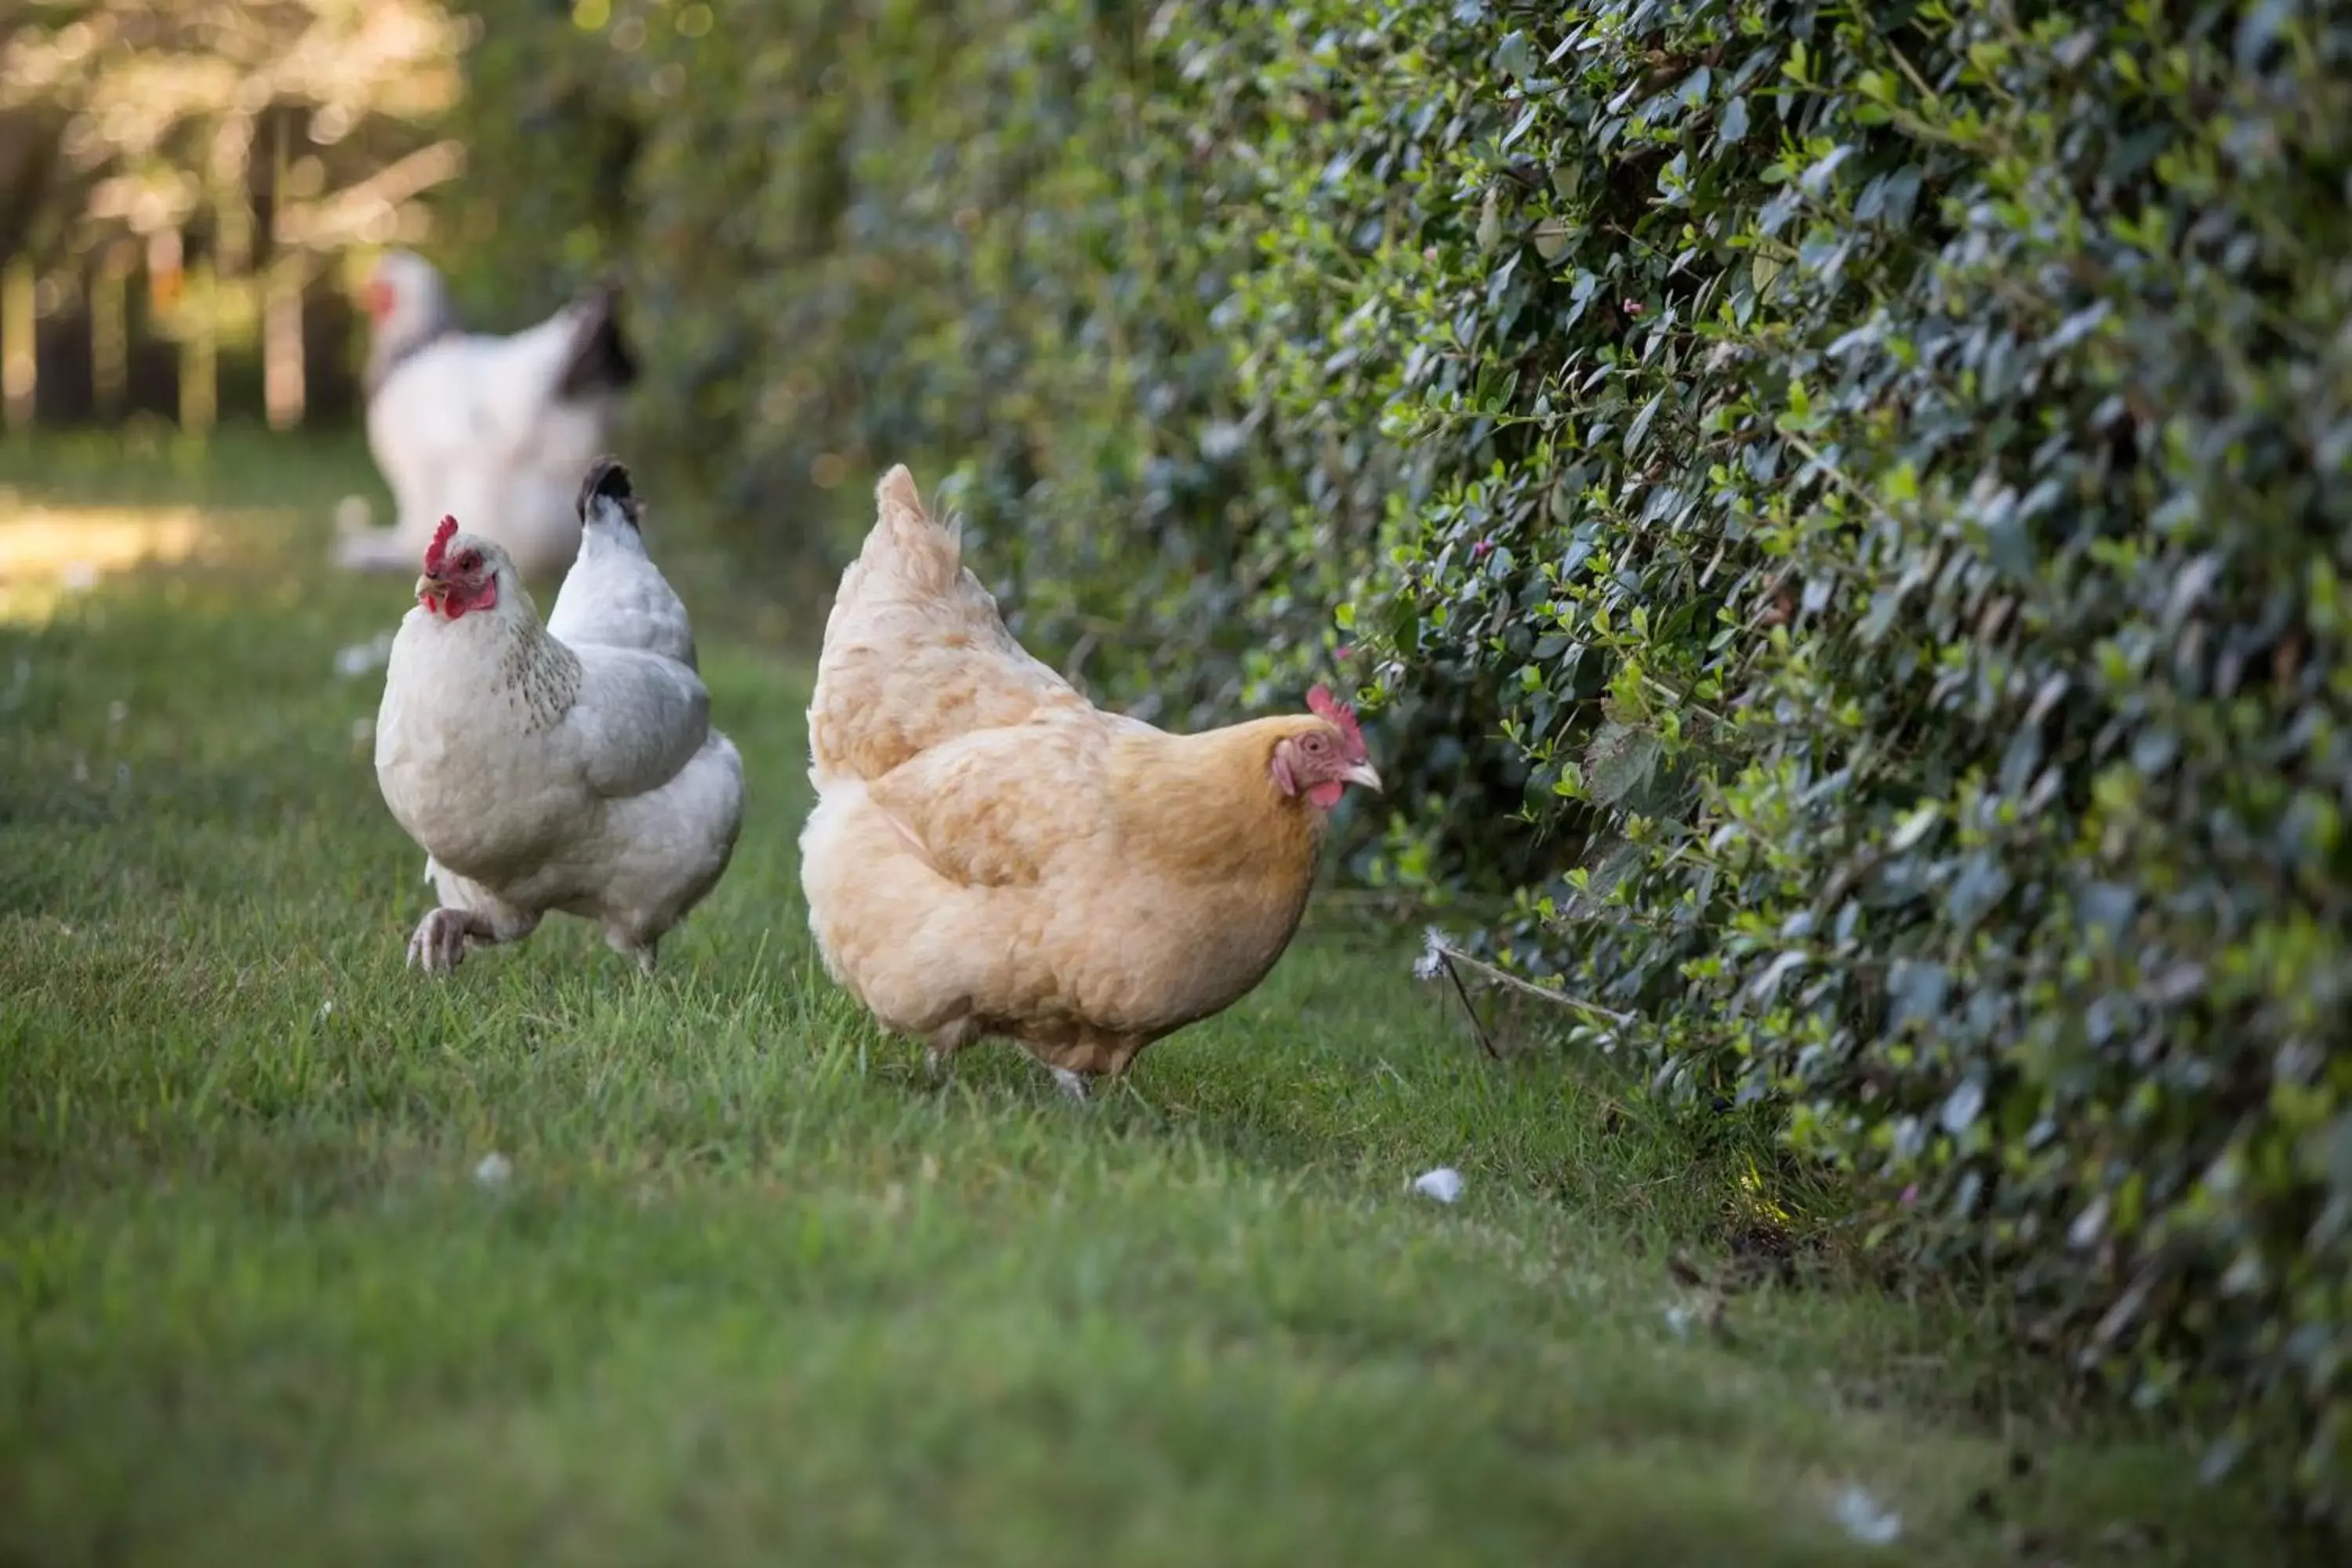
{"type": "Point", "coordinates": [31, 141]}
{"type": "Point", "coordinates": [200, 352]}
{"type": "Point", "coordinates": [110, 329]}
{"type": "Point", "coordinates": [282, 390]}
{"type": "Point", "coordinates": [31, 144]}
{"type": "Point", "coordinates": [19, 358]}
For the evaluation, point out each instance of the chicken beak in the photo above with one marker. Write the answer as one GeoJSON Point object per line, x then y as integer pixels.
{"type": "Point", "coordinates": [1363, 773]}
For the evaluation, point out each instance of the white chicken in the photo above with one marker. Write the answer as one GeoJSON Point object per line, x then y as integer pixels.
{"type": "Point", "coordinates": [495, 430]}
{"type": "Point", "coordinates": [569, 766]}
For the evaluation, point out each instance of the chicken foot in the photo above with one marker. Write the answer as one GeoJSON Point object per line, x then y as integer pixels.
{"type": "Point", "coordinates": [645, 950]}
{"type": "Point", "coordinates": [1075, 1064]}
{"type": "Point", "coordinates": [942, 1062]}
{"type": "Point", "coordinates": [438, 943]}
{"type": "Point", "coordinates": [945, 1042]}
{"type": "Point", "coordinates": [938, 1055]}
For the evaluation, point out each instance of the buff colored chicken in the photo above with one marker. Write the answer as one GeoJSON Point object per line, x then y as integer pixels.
{"type": "Point", "coordinates": [992, 855]}
{"type": "Point", "coordinates": [570, 766]}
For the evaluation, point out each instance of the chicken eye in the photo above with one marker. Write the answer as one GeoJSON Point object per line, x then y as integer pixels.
{"type": "Point", "coordinates": [1316, 742]}
{"type": "Point", "coordinates": [469, 562]}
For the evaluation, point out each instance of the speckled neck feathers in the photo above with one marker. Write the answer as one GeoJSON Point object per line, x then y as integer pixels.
{"type": "Point", "coordinates": [533, 675]}
{"type": "Point", "coordinates": [538, 676]}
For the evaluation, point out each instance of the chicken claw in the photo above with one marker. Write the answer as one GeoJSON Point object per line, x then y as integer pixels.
{"type": "Point", "coordinates": [439, 942]}
{"type": "Point", "coordinates": [1070, 1083]}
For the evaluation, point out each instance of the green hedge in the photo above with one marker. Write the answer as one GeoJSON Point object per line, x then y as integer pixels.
{"type": "Point", "coordinates": [1861, 495]}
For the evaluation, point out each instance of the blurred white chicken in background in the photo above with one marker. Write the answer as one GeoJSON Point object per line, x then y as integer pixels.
{"type": "Point", "coordinates": [567, 766]}
{"type": "Point", "coordinates": [493, 430]}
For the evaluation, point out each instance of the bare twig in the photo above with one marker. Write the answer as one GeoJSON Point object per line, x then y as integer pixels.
{"type": "Point", "coordinates": [1486, 1041]}
{"type": "Point", "coordinates": [1452, 956]}
{"type": "Point", "coordinates": [1681, 699]}
{"type": "Point", "coordinates": [1840, 478]}
{"type": "Point", "coordinates": [1903, 63]}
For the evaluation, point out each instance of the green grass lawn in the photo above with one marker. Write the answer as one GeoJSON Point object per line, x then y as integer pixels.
{"type": "Point", "coordinates": [755, 1291]}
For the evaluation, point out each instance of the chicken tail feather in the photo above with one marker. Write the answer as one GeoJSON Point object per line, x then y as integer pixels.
{"type": "Point", "coordinates": [914, 653]}
{"type": "Point", "coordinates": [896, 492]}
{"type": "Point", "coordinates": [600, 359]}
{"type": "Point", "coordinates": [607, 484]}
{"type": "Point", "coordinates": [907, 544]}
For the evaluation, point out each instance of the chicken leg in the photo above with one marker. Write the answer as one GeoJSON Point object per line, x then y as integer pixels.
{"type": "Point", "coordinates": [939, 1056]}
{"type": "Point", "coordinates": [439, 944]}
{"type": "Point", "coordinates": [645, 950]}
{"type": "Point", "coordinates": [1091, 1053]}
{"type": "Point", "coordinates": [945, 1042]}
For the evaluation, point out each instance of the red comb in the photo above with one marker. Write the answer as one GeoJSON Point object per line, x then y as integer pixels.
{"type": "Point", "coordinates": [1323, 705]}
{"type": "Point", "coordinates": [440, 542]}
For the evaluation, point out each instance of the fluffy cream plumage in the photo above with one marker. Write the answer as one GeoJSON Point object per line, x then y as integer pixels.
{"type": "Point", "coordinates": [990, 854]}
